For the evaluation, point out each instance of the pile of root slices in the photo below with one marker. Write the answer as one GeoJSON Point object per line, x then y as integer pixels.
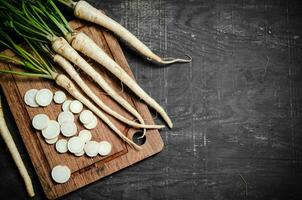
{"type": "Point", "coordinates": [63, 132]}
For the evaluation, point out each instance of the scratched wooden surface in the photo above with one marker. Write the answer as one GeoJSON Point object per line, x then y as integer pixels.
{"type": "Point", "coordinates": [236, 107]}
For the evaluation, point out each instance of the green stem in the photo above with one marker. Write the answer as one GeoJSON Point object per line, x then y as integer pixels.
{"type": "Point", "coordinates": [11, 59]}
{"type": "Point", "coordinates": [29, 37]}
{"type": "Point", "coordinates": [34, 9]}
{"type": "Point", "coordinates": [36, 18]}
{"type": "Point", "coordinates": [24, 22]}
{"type": "Point", "coordinates": [34, 67]}
{"type": "Point", "coordinates": [62, 28]}
{"type": "Point", "coordinates": [62, 18]}
{"type": "Point", "coordinates": [27, 74]}
{"type": "Point", "coordinates": [42, 32]}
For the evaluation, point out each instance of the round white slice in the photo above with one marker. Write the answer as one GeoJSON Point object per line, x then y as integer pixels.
{"type": "Point", "coordinates": [92, 148]}
{"type": "Point", "coordinates": [65, 116]}
{"type": "Point", "coordinates": [40, 121]}
{"type": "Point", "coordinates": [66, 104]}
{"type": "Point", "coordinates": [75, 145]}
{"type": "Point", "coordinates": [52, 141]}
{"type": "Point", "coordinates": [92, 124]}
{"type": "Point", "coordinates": [61, 146]}
{"type": "Point", "coordinates": [59, 97]}
{"type": "Point", "coordinates": [30, 98]}
{"type": "Point", "coordinates": [104, 148]}
{"type": "Point", "coordinates": [60, 174]}
{"type": "Point", "coordinates": [69, 129]}
{"type": "Point", "coordinates": [80, 154]}
{"type": "Point", "coordinates": [85, 135]}
{"type": "Point", "coordinates": [76, 106]}
{"type": "Point", "coordinates": [86, 117]}
{"type": "Point", "coordinates": [52, 130]}
{"type": "Point", "coordinates": [44, 97]}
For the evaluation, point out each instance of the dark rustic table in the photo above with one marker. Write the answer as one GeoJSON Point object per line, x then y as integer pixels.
{"type": "Point", "coordinates": [236, 107]}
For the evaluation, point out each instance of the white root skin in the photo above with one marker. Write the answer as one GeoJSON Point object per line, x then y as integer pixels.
{"type": "Point", "coordinates": [85, 11]}
{"type": "Point", "coordinates": [81, 83]}
{"type": "Point", "coordinates": [6, 135]}
{"type": "Point", "coordinates": [68, 85]}
{"type": "Point", "coordinates": [62, 47]}
{"type": "Point", "coordinates": [85, 45]}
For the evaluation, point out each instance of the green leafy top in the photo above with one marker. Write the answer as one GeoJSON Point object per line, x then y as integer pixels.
{"type": "Point", "coordinates": [33, 65]}
{"type": "Point", "coordinates": [35, 20]}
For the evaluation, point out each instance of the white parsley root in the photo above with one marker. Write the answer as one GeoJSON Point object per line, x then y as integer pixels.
{"type": "Point", "coordinates": [9, 141]}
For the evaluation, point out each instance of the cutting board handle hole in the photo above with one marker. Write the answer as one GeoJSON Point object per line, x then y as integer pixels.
{"type": "Point", "coordinates": [137, 139]}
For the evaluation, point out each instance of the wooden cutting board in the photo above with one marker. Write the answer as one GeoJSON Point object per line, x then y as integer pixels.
{"type": "Point", "coordinates": [84, 170]}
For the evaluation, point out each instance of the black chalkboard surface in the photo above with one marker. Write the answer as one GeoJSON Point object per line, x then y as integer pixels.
{"type": "Point", "coordinates": [236, 107]}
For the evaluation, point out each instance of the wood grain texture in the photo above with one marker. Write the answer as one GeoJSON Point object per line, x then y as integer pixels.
{"type": "Point", "coordinates": [84, 170]}
{"type": "Point", "coordinates": [236, 107]}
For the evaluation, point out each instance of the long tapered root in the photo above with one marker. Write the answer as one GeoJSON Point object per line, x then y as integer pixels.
{"type": "Point", "coordinates": [62, 47]}
{"type": "Point", "coordinates": [6, 135]}
{"type": "Point", "coordinates": [68, 85]}
{"type": "Point", "coordinates": [66, 65]}
{"type": "Point", "coordinates": [88, 47]}
{"type": "Point", "coordinates": [84, 10]}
